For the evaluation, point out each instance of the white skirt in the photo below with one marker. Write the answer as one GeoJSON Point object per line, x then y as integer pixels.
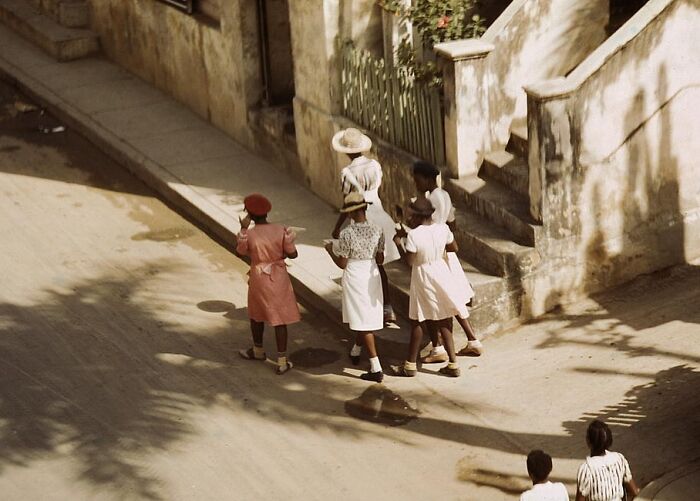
{"type": "Point", "coordinates": [363, 301]}
{"type": "Point", "coordinates": [458, 276]}
{"type": "Point", "coordinates": [434, 293]}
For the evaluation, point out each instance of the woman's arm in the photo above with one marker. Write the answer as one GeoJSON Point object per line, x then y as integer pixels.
{"type": "Point", "coordinates": [242, 239]}
{"type": "Point", "coordinates": [408, 257]}
{"type": "Point", "coordinates": [340, 262]}
{"type": "Point", "coordinates": [292, 255]}
{"type": "Point", "coordinates": [339, 224]}
{"type": "Point", "coordinates": [379, 258]}
{"type": "Point", "coordinates": [452, 247]}
{"type": "Point", "coordinates": [579, 496]}
{"type": "Point", "coordinates": [631, 488]}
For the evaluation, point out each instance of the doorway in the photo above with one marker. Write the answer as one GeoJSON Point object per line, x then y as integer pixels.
{"type": "Point", "coordinates": [276, 52]}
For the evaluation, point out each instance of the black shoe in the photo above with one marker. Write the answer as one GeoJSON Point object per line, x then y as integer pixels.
{"type": "Point", "coordinates": [377, 377]}
{"type": "Point", "coordinates": [355, 359]}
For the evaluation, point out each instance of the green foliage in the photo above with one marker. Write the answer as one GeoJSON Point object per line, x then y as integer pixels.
{"type": "Point", "coordinates": [436, 21]}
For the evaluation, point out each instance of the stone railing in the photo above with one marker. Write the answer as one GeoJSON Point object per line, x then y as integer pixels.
{"type": "Point", "coordinates": [613, 151]}
{"type": "Point", "coordinates": [530, 41]}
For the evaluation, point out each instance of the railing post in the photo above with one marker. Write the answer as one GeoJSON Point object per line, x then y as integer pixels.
{"type": "Point", "coordinates": [551, 133]}
{"type": "Point", "coordinates": [465, 77]}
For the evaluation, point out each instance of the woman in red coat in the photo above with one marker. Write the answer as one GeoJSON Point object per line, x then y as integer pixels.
{"type": "Point", "coordinates": [271, 297]}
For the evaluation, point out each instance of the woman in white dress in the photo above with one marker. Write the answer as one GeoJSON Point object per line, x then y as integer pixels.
{"type": "Point", "coordinates": [605, 475]}
{"type": "Point", "coordinates": [425, 177]}
{"type": "Point", "coordinates": [434, 296]}
{"type": "Point", "coordinates": [359, 251]}
{"type": "Point", "coordinates": [364, 175]}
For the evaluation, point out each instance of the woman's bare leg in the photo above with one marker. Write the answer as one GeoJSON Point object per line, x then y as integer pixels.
{"type": "Point", "coordinates": [416, 338]}
{"type": "Point", "coordinates": [281, 338]}
{"type": "Point", "coordinates": [257, 328]}
{"type": "Point", "coordinates": [375, 368]}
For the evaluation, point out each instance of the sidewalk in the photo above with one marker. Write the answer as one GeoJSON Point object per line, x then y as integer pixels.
{"type": "Point", "coordinates": [679, 485]}
{"type": "Point", "coordinates": [193, 165]}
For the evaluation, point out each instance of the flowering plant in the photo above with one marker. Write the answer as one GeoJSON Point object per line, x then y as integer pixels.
{"type": "Point", "coordinates": [435, 21]}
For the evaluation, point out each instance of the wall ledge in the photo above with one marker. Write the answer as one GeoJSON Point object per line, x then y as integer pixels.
{"type": "Point", "coordinates": [557, 88]}
{"type": "Point", "coordinates": [547, 90]}
{"type": "Point", "coordinates": [459, 50]}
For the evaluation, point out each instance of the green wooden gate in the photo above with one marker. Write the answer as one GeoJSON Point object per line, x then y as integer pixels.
{"type": "Point", "coordinates": [390, 103]}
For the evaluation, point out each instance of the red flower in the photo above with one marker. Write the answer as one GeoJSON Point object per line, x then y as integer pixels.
{"type": "Point", "coordinates": [443, 22]}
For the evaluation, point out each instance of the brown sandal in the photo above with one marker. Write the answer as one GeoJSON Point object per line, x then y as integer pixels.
{"type": "Point", "coordinates": [281, 370]}
{"type": "Point", "coordinates": [450, 372]}
{"type": "Point", "coordinates": [249, 354]}
{"type": "Point", "coordinates": [402, 371]}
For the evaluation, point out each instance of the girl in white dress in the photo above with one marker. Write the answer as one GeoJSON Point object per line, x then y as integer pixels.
{"type": "Point", "coordinates": [434, 296]}
{"type": "Point", "coordinates": [425, 177]}
{"type": "Point", "coordinates": [359, 251]}
{"type": "Point", "coordinates": [364, 176]}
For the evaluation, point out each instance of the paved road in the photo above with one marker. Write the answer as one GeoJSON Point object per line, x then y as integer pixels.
{"type": "Point", "coordinates": [119, 323]}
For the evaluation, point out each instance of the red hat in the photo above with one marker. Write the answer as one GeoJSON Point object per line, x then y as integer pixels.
{"type": "Point", "coordinates": [257, 205]}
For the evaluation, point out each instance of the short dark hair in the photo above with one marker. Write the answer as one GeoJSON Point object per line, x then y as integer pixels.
{"type": "Point", "coordinates": [599, 437]}
{"type": "Point", "coordinates": [257, 218]}
{"type": "Point", "coordinates": [539, 465]}
{"type": "Point", "coordinates": [425, 170]}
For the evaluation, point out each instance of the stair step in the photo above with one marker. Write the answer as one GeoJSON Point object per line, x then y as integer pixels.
{"type": "Point", "coordinates": [63, 44]}
{"type": "Point", "coordinates": [496, 304]}
{"type": "Point", "coordinates": [518, 144]}
{"type": "Point", "coordinates": [491, 248]}
{"type": "Point", "coordinates": [497, 204]}
{"type": "Point", "coordinates": [69, 13]}
{"type": "Point", "coordinates": [508, 169]}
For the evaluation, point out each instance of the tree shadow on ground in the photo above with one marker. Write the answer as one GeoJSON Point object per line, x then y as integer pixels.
{"type": "Point", "coordinates": [92, 372]}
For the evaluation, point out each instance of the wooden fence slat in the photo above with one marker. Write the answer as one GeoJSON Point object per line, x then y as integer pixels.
{"type": "Point", "coordinates": [391, 104]}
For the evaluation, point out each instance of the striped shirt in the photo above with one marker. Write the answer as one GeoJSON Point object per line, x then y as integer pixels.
{"type": "Point", "coordinates": [600, 478]}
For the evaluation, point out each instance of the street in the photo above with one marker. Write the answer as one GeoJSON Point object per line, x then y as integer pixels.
{"type": "Point", "coordinates": [120, 324]}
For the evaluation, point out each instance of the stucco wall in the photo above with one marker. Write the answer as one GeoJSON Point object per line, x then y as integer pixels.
{"type": "Point", "coordinates": [213, 69]}
{"type": "Point", "coordinates": [535, 40]}
{"type": "Point", "coordinates": [615, 153]}
{"type": "Point", "coordinates": [318, 27]}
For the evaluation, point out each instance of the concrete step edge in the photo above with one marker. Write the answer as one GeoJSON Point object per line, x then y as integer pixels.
{"type": "Point", "coordinates": [62, 43]}
{"type": "Point", "coordinates": [498, 204]}
{"type": "Point", "coordinates": [508, 169]}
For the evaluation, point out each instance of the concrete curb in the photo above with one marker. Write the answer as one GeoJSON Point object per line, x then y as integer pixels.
{"type": "Point", "coordinates": [652, 489]}
{"type": "Point", "coordinates": [181, 197]}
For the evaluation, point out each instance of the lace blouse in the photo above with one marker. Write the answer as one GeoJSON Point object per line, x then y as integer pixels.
{"type": "Point", "coordinates": [360, 241]}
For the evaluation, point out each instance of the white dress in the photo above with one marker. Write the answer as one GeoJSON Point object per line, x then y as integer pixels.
{"type": "Point", "coordinates": [363, 300]}
{"type": "Point", "coordinates": [434, 293]}
{"type": "Point", "coordinates": [364, 175]}
{"type": "Point", "coordinates": [445, 213]}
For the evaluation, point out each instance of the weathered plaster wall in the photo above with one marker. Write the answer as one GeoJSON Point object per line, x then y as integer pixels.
{"type": "Point", "coordinates": [535, 40]}
{"type": "Point", "coordinates": [213, 69]}
{"type": "Point", "coordinates": [318, 27]}
{"type": "Point", "coordinates": [615, 153]}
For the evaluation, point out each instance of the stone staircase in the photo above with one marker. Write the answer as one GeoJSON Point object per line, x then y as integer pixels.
{"type": "Point", "coordinates": [57, 26]}
{"type": "Point", "coordinates": [496, 235]}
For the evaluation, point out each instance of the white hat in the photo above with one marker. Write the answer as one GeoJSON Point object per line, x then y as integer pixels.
{"type": "Point", "coordinates": [351, 141]}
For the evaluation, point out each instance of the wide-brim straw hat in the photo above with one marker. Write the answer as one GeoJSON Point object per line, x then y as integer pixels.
{"type": "Point", "coordinates": [351, 141]}
{"type": "Point", "coordinates": [354, 201]}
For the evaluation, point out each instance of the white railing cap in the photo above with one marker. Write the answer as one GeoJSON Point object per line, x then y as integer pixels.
{"type": "Point", "coordinates": [471, 48]}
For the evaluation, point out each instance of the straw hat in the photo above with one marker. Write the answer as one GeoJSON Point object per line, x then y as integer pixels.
{"type": "Point", "coordinates": [257, 205]}
{"type": "Point", "coordinates": [354, 201]}
{"type": "Point", "coordinates": [351, 141]}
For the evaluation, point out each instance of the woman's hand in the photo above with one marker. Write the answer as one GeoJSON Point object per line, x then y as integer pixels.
{"type": "Point", "coordinates": [245, 222]}
{"type": "Point", "coordinates": [400, 233]}
{"type": "Point", "coordinates": [329, 247]}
